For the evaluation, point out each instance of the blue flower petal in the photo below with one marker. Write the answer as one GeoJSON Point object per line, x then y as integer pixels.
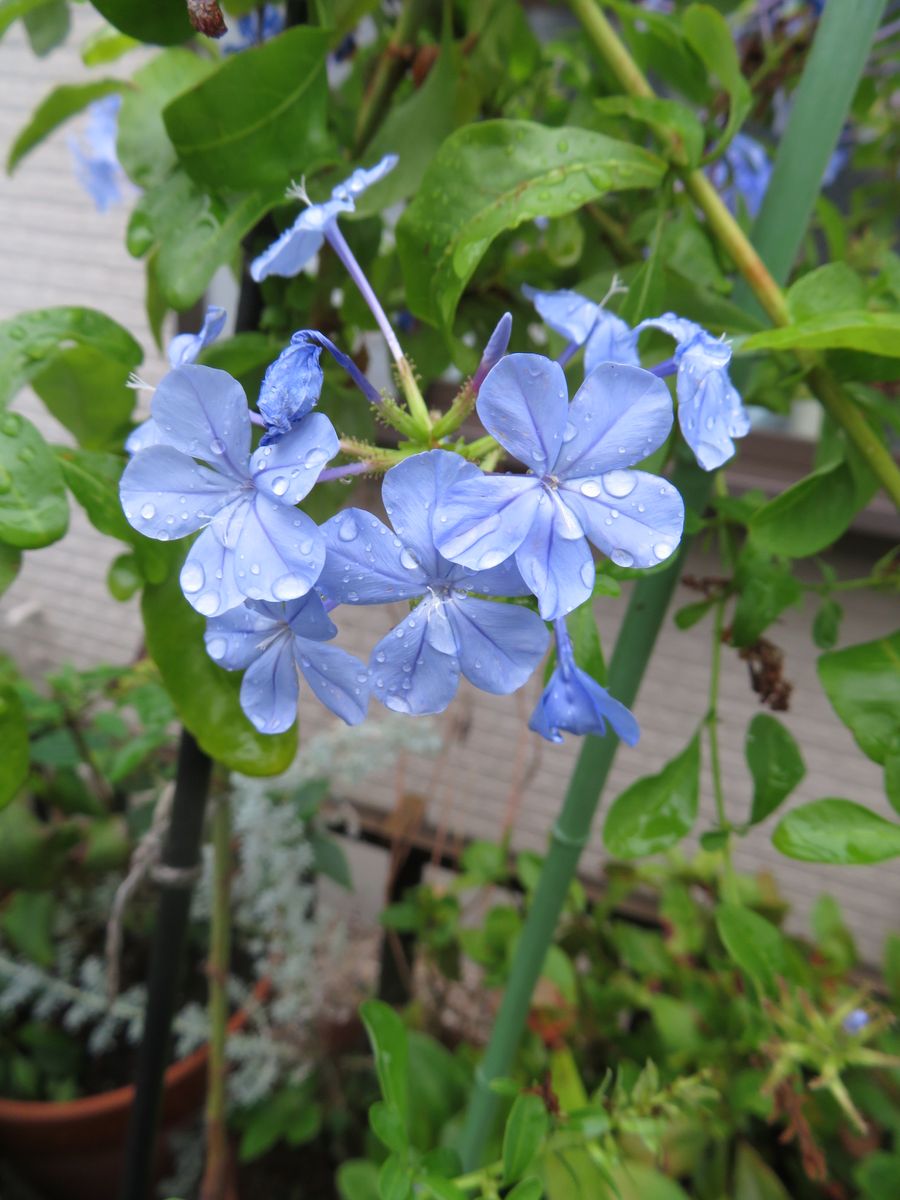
{"type": "Point", "coordinates": [279, 551]}
{"type": "Point", "coordinates": [710, 410]}
{"type": "Point", "coordinates": [499, 645]}
{"type": "Point", "coordinates": [365, 562]}
{"type": "Point", "coordinates": [143, 436]}
{"type": "Point", "coordinates": [291, 385]}
{"type": "Point", "coordinates": [297, 245]}
{"type": "Point", "coordinates": [364, 178]}
{"type": "Point", "coordinates": [523, 403]}
{"type": "Point", "coordinates": [611, 340]}
{"type": "Point", "coordinates": [493, 351]}
{"type": "Point", "coordinates": [570, 314]}
{"type": "Point", "coordinates": [636, 519]}
{"type": "Point", "coordinates": [207, 578]}
{"type": "Point", "coordinates": [483, 520]}
{"type": "Point", "coordinates": [503, 580]}
{"type": "Point", "coordinates": [408, 674]}
{"type": "Point", "coordinates": [619, 415]}
{"type": "Point", "coordinates": [166, 495]}
{"type": "Point", "coordinates": [233, 639]}
{"type": "Point", "coordinates": [287, 469]}
{"type": "Point", "coordinates": [203, 412]}
{"type": "Point", "coordinates": [306, 616]}
{"type": "Point", "coordinates": [269, 689]}
{"type": "Point", "coordinates": [413, 493]}
{"type": "Point", "coordinates": [185, 348]}
{"type": "Point", "coordinates": [578, 704]}
{"type": "Point", "coordinates": [340, 681]}
{"type": "Point", "coordinates": [555, 560]}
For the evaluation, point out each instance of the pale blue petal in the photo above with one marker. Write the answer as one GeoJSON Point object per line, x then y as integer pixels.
{"type": "Point", "coordinates": [363, 178]}
{"type": "Point", "coordinates": [575, 703]}
{"type": "Point", "coordinates": [233, 639]}
{"type": "Point", "coordinates": [365, 563]}
{"type": "Point", "coordinates": [570, 314]}
{"type": "Point", "coordinates": [287, 469]}
{"type": "Point", "coordinates": [523, 404]}
{"type": "Point", "coordinates": [207, 578]}
{"type": "Point", "coordinates": [340, 681]}
{"type": "Point", "coordinates": [279, 552]}
{"type": "Point", "coordinates": [710, 411]}
{"type": "Point", "coordinates": [203, 412]}
{"type": "Point", "coordinates": [306, 616]}
{"type": "Point", "coordinates": [185, 348]}
{"type": "Point", "coordinates": [292, 251]}
{"type": "Point", "coordinates": [557, 567]}
{"type": "Point", "coordinates": [611, 340]}
{"type": "Point", "coordinates": [408, 674]}
{"type": "Point", "coordinates": [619, 415]}
{"type": "Point", "coordinates": [269, 689]}
{"type": "Point", "coordinates": [503, 580]}
{"type": "Point", "coordinates": [483, 520]}
{"type": "Point", "coordinates": [166, 495]}
{"type": "Point", "coordinates": [676, 327]}
{"type": "Point", "coordinates": [493, 351]}
{"type": "Point", "coordinates": [413, 493]}
{"type": "Point", "coordinates": [636, 519]}
{"type": "Point", "coordinates": [143, 436]}
{"type": "Point", "coordinates": [499, 645]}
{"type": "Point", "coordinates": [291, 386]}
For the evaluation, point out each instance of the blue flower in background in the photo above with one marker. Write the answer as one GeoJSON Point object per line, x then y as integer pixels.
{"type": "Point", "coordinates": [297, 245]}
{"type": "Point", "coordinates": [574, 702]}
{"type": "Point", "coordinates": [577, 489]}
{"type": "Point", "coordinates": [95, 161]}
{"type": "Point", "coordinates": [184, 348]}
{"type": "Point", "coordinates": [416, 667]}
{"type": "Point", "coordinates": [255, 544]}
{"type": "Point", "coordinates": [275, 644]}
{"type": "Point", "coordinates": [856, 1021]}
{"type": "Point", "coordinates": [743, 172]}
{"type": "Point", "coordinates": [254, 28]}
{"type": "Point", "coordinates": [710, 410]}
{"type": "Point", "coordinates": [605, 337]}
{"type": "Point", "coordinates": [493, 351]}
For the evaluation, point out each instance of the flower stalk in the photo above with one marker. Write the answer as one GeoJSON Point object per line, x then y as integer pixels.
{"type": "Point", "coordinates": [216, 1171]}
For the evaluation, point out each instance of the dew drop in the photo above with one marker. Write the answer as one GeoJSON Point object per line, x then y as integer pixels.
{"type": "Point", "coordinates": [216, 648]}
{"type": "Point", "coordinates": [622, 558]}
{"type": "Point", "coordinates": [491, 558]}
{"type": "Point", "coordinates": [305, 546]}
{"type": "Point", "coordinates": [288, 587]}
{"type": "Point", "coordinates": [279, 485]}
{"type": "Point", "coordinates": [208, 604]}
{"type": "Point", "coordinates": [315, 458]}
{"type": "Point", "coordinates": [148, 512]}
{"type": "Point", "coordinates": [254, 568]}
{"type": "Point", "coordinates": [590, 488]}
{"type": "Point", "coordinates": [217, 446]}
{"type": "Point", "coordinates": [569, 432]}
{"type": "Point", "coordinates": [192, 577]}
{"type": "Point", "coordinates": [662, 550]}
{"type": "Point", "coordinates": [408, 559]}
{"type": "Point", "coordinates": [619, 483]}
{"type": "Point", "coordinates": [587, 574]}
{"type": "Point", "coordinates": [380, 656]}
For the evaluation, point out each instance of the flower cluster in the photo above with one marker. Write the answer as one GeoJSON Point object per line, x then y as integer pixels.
{"type": "Point", "coordinates": [482, 559]}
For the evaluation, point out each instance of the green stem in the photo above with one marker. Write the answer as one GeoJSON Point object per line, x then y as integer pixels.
{"type": "Point", "coordinates": [730, 886]}
{"type": "Point", "coordinates": [215, 1175]}
{"type": "Point", "coordinates": [388, 74]}
{"type": "Point", "coordinates": [732, 238]}
{"type": "Point", "coordinates": [634, 645]}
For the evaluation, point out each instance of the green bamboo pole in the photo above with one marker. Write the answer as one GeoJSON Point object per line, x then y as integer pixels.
{"type": "Point", "coordinates": [643, 620]}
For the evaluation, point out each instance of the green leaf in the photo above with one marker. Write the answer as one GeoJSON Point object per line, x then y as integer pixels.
{"type": "Point", "coordinates": [10, 562]}
{"type": "Point", "coordinates": [47, 26]}
{"type": "Point", "coordinates": [657, 811]}
{"type": "Point", "coordinates": [871, 332]}
{"type": "Point", "coordinates": [836, 831]}
{"type": "Point", "coordinates": [836, 287]}
{"type": "Point", "coordinates": [765, 589]}
{"type": "Point", "coordinates": [31, 340]}
{"type": "Point", "coordinates": [709, 36]}
{"type": "Point", "coordinates": [93, 479]}
{"type": "Point", "coordinates": [526, 1128]}
{"type": "Point", "coordinates": [394, 1182]}
{"type": "Point", "coordinates": [863, 684]}
{"type": "Point", "coordinates": [14, 740]}
{"type": "Point", "coordinates": [33, 508]}
{"type": "Point", "coordinates": [143, 145]}
{"type": "Point", "coordinates": [754, 1180]}
{"type": "Point", "coordinates": [495, 175]}
{"type": "Point", "coordinates": [387, 1035]}
{"type": "Point", "coordinates": [635, 1181]}
{"type": "Point", "coordinates": [15, 10]}
{"type": "Point", "coordinates": [754, 944]}
{"type": "Point", "coordinates": [892, 774]}
{"type": "Point", "coordinates": [106, 45]}
{"type": "Point", "coordinates": [877, 1176]}
{"type": "Point", "coordinates": [330, 860]}
{"type": "Point", "coordinates": [389, 1127]}
{"type": "Point", "coordinates": [61, 104]}
{"type": "Point", "coordinates": [526, 1189]}
{"type": "Point", "coordinates": [27, 924]}
{"type": "Point", "coordinates": [260, 118]}
{"type": "Point", "coordinates": [690, 614]}
{"type": "Point", "coordinates": [827, 623]}
{"type": "Point", "coordinates": [438, 1188]}
{"type": "Point", "coordinates": [88, 393]}
{"type": "Point", "coordinates": [776, 765]}
{"type": "Point", "coordinates": [833, 938]}
{"type": "Point", "coordinates": [358, 1180]}
{"type": "Point", "coordinates": [809, 516]}
{"type": "Point", "coordinates": [667, 118]}
{"type": "Point", "coordinates": [205, 696]}
{"type": "Point", "coordinates": [163, 22]}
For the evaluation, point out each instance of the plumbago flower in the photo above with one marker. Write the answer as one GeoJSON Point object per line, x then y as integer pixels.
{"type": "Point", "coordinates": [573, 701]}
{"type": "Point", "coordinates": [255, 544]}
{"type": "Point", "coordinates": [277, 643]}
{"type": "Point", "coordinates": [710, 411]}
{"type": "Point", "coordinates": [296, 246]}
{"type": "Point", "coordinates": [743, 173]}
{"type": "Point", "coordinates": [451, 631]}
{"type": "Point", "coordinates": [183, 349]}
{"type": "Point", "coordinates": [577, 488]}
{"type": "Point", "coordinates": [96, 164]}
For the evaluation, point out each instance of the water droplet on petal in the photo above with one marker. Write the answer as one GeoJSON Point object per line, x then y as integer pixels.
{"type": "Point", "coordinates": [279, 485]}
{"type": "Point", "coordinates": [217, 446]}
{"type": "Point", "coordinates": [408, 559]}
{"type": "Point", "coordinates": [348, 530]}
{"type": "Point", "coordinates": [254, 568]}
{"type": "Point", "coordinates": [587, 574]}
{"type": "Point", "coordinates": [216, 648]}
{"type": "Point", "coordinates": [590, 488]}
{"type": "Point", "coordinates": [208, 604]}
{"type": "Point", "coordinates": [622, 558]}
{"type": "Point", "coordinates": [192, 577]}
{"type": "Point", "coordinates": [620, 483]}
{"type": "Point", "coordinates": [662, 550]}
{"type": "Point", "coordinates": [491, 558]}
{"type": "Point", "coordinates": [288, 587]}
{"type": "Point", "coordinates": [148, 512]}
{"type": "Point", "coordinates": [569, 432]}
{"type": "Point", "coordinates": [305, 546]}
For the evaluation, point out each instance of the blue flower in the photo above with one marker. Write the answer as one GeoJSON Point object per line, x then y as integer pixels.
{"type": "Point", "coordinates": [275, 644]}
{"type": "Point", "coordinates": [296, 246]}
{"type": "Point", "coordinates": [451, 631]}
{"type": "Point", "coordinates": [605, 337]}
{"type": "Point", "coordinates": [710, 410]}
{"type": "Point", "coordinates": [577, 489]}
{"type": "Point", "coordinates": [254, 28]}
{"type": "Point", "coordinates": [493, 351]}
{"type": "Point", "coordinates": [255, 544]}
{"type": "Point", "coordinates": [856, 1021]}
{"type": "Point", "coordinates": [573, 701]}
{"type": "Point", "coordinates": [743, 172]}
{"type": "Point", "coordinates": [184, 348]}
{"type": "Point", "coordinates": [97, 166]}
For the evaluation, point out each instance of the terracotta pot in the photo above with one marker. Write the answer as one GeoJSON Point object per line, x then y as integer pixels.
{"type": "Point", "coordinates": [73, 1150]}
